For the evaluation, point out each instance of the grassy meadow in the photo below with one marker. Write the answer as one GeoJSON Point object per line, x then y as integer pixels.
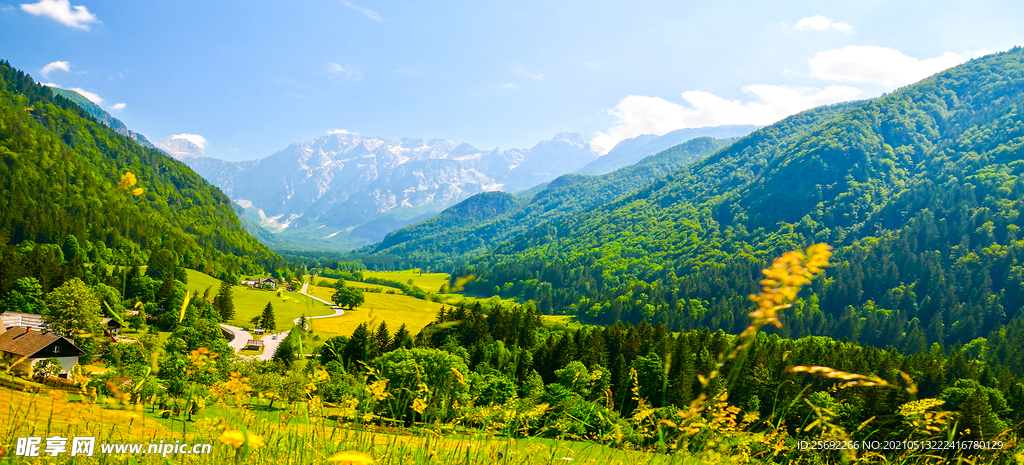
{"type": "Point", "coordinates": [393, 308]}
{"type": "Point", "coordinates": [355, 284]}
{"type": "Point", "coordinates": [249, 302]}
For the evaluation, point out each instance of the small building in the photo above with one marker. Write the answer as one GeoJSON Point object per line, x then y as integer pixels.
{"type": "Point", "coordinates": [254, 344]}
{"type": "Point", "coordinates": [110, 326]}
{"type": "Point", "coordinates": [22, 320]}
{"type": "Point", "coordinates": [24, 347]}
{"type": "Point", "coordinates": [260, 283]}
{"type": "Point", "coordinates": [258, 331]}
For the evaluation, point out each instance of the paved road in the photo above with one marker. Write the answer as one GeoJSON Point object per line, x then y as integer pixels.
{"type": "Point", "coordinates": [269, 342]}
{"type": "Point", "coordinates": [241, 337]}
{"type": "Point", "coordinates": [337, 310]}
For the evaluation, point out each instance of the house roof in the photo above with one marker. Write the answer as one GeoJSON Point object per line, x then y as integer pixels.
{"type": "Point", "coordinates": [26, 341]}
{"type": "Point", "coordinates": [106, 322]}
{"type": "Point", "coordinates": [24, 320]}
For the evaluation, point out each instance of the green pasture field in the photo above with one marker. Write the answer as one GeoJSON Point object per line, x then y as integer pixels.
{"type": "Point", "coordinates": [249, 302]}
{"type": "Point", "coordinates": [356, 284]}
{"type": "Point", "coordinates": [430, 282]}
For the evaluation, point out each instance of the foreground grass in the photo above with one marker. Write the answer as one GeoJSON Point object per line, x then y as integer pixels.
{"type": "Point", "coordinates": [289, 434]}
{"type": "Point", "coordinates": [250, 302]}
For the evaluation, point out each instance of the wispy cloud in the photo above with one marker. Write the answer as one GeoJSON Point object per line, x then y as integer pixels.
{"type": "Point", "coordinates": [365, 11]}
{"type": "Point", "coordinates": [521, 72]}
{"type": "Point", "coordinates": [88, 95]}
{"type": "Point", "coordinates": [346, 72]}
{"type": "Point", "coordinates": [821, 23]}
{"type": "Point", "coordinates": [119, 106]}
{"type": "Point", "coordinates": [339, 131]}
{"type": "Point", "coordinates": [57, 65]}
{"type": "Point", "coordinates": [193, 138]}
{"type": "Point", "coordinates": [510, 85]}
{"type": "Point", "coordinates": [879, 65]}
{"type": "Point", "coordinates": [61, 10]}
{"type": "Point", "coordinates": [637, 114]}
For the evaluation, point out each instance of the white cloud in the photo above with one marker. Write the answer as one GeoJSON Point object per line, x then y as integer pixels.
{"type": "Point", "coordinates": [338, 131]}
{"type": "Point", "coordinates": [88, 95]}
{"type": "Point", "coordinates": [510, 85]}
{"type": "Point", "coordinates": [49, 84]}
{"type": "Point", "coordinates": [821, 23]}
{"type": "Point", "coordinates": [879, 65]}
{"type": "Point", "coordinates": [526, 74]}
{"type": "Point", "coordinates": [193, 138]}
{"type": "Point", "coordinates": [365, 11]}
{"type": "Point", "coordinates": [57, 65]}
{"type": "Point", "coordinates": [119, 106]}
{"type": "Point", "coordinates": [62, 11]}
{"type": "Point", "coordinates": [637, 114]}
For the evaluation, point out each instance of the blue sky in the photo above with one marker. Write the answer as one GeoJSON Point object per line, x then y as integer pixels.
{"type": "Point", "coordinates": [248, 78]}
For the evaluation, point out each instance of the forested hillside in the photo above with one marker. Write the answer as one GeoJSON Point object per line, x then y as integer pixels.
{"type": "Point", "coordinates": [485, 220]}
{"type": "Point", "coordinates": [918, 190]}
{"type": "Point", "coordinates": [59, 183]}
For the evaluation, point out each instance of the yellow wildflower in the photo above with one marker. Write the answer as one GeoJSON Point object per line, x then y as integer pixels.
{"type": "Point", "coordinates": [379, 389]}
{"type": "Point", "coordinates": [127, 180]}
{"type": "Point", "coordinates": [237, 438]}
{"type": "Point", "coordinates": [419, 406]}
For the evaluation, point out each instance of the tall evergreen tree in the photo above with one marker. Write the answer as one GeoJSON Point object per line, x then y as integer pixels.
{"type": "Point", "coordinates": [267, 319]}
{"type": "Point", "coordinates": [224, 302]}
{"type": "Point", "coordinates": [382, 338]}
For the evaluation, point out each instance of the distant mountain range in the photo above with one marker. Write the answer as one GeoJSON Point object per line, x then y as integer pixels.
{"type": "Point", "coordinates": [345, 190]}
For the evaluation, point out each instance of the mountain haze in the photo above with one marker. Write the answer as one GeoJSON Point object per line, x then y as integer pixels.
{"type": "Point", "coordinates": [180, 149]}
{"type": "Point", "coordinates": [630, 151]}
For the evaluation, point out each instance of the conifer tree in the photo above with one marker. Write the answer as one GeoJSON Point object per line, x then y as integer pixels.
{"type": "Point", "coordinates": [267, 318]}
{"type": "Point", "coordinates": [224, 302]}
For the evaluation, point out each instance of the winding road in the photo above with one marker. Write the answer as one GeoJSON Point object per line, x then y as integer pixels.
{"type": "Point", "coordinates": [270, 343]}
{"type": "Point", "coordinates": [337, 310]}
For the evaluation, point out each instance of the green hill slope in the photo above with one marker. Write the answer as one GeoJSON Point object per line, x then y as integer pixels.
{"type": "Point", "coordinates": [485, 220]}
{"type": "Point", "coordinates": [919, 190]}
{"type": "Point", "coordinates": [59, 174]}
